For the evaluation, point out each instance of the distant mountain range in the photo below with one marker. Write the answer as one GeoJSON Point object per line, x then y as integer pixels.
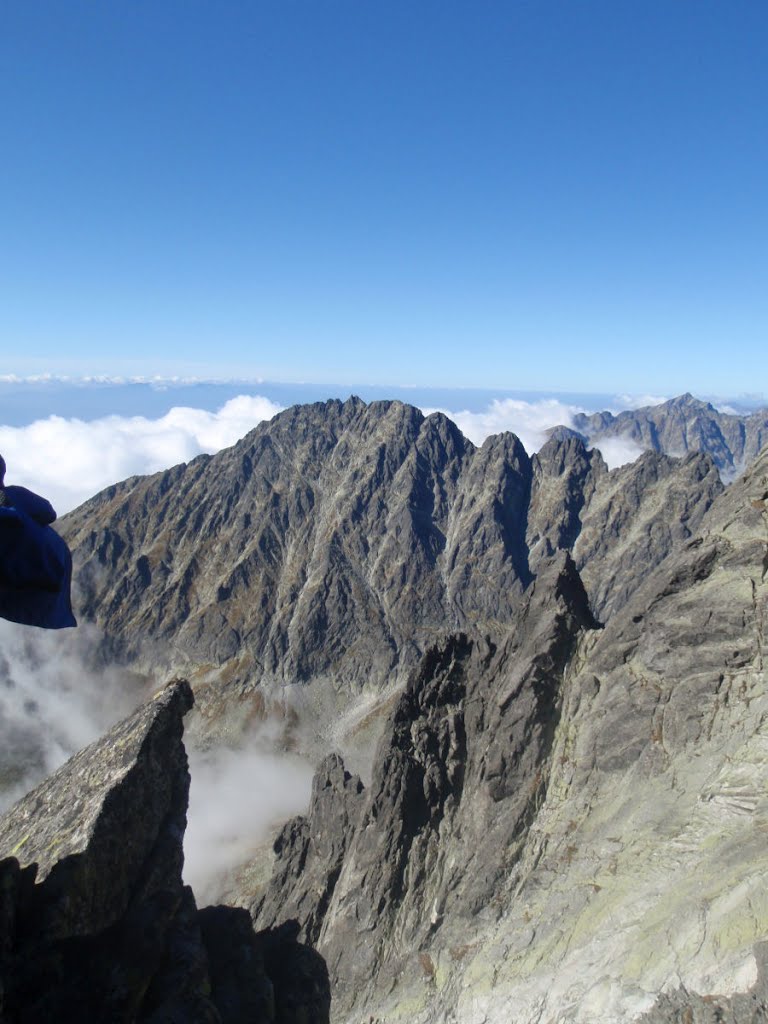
{"type": "Point", "coordinates": [682, 425]}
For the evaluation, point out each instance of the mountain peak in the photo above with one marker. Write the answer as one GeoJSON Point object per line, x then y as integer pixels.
{"type": "Point", "coordinates": [690, 401]}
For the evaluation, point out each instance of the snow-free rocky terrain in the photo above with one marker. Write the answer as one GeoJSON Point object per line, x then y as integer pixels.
{"type": "Point", "coordinates": [565, 815]}
{"type": "Point", "coordinates": [335, 544]}
{"type": "Point", "coordinates": [95, 922]}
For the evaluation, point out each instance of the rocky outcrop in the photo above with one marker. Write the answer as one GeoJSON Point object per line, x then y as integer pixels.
{"type": "Point", "coordinates": [378, 876]}
{"type": "Point", "coordinates": [564, 823]}
{"type": "Point", "coordinates": [636, 517]}
{"type": "Point", "coordinates": [311, 850]}
{"type": "Point", "coordinates": [95, 922]}
{"type": "Point", "coordinates": [337, 543]}
{"type": "Point", "coordinates": [682, 425]}
{"type": "Point", "coordinates": [618, 525]}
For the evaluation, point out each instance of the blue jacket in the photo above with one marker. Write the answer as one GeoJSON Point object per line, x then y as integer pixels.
{"type": "Point", "coordinates": [35, 563]}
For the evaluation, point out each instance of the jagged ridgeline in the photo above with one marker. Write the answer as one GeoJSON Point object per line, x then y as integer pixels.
{"type": "Point", "coordinates": [681, 425]}
{"type": "Point", "coordinates": [337, 542]}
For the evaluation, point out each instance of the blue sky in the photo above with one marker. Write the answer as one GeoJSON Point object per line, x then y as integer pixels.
{"type": "Point", "coordinates": [565, 196]}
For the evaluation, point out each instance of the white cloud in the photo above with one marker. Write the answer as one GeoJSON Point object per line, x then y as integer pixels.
{"type": "Point", "coordinates": [618, 451]}
{"type": "Point", "coordinates": [236, 798]}
{"type": "Point", "coordinates": [529, 420]}
{"type": "Point", "coordinates": [626, 401]}
{"type": "Point", "coordinates": [54, 699]}
{"type": "Point", "coordinates": [69, 460]}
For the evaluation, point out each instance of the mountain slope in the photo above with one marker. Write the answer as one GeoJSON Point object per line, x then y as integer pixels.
{"type": "Point", "coordinates": [337, 542]}
{"type": "Point", "coordinates": [96, 924]}
{"type": "Point", "coordinates": [564, 823]}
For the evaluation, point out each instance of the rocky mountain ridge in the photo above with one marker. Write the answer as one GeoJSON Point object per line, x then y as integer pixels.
{"type": "Point", "coordinates": [564, 823]}
{"type": "Point", "coordinates": [336, 543]}
{"type": "Point", "coordinates": [681, 425]}
{"type": "Point", "coordinates": [95, 922]}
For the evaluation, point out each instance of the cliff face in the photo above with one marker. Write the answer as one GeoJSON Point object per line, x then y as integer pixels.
{"type": "Point", "coordinates": [95, 922]}
{"type": "Point", "coordinates": [564, 823]}
{"type": "Point", "coordinates": [456, 784]}
{"type": "Point", "coordinates": [338, 542]}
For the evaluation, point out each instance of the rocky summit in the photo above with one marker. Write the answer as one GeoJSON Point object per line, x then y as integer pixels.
{"type": "Point", "coordinates": [95, 922]}
{"type": "Point", "coordinates": [564, 818]}
{"type": "Point", "coordinates": [334, 545]}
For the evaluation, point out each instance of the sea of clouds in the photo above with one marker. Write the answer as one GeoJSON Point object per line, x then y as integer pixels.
{"type": "Point", "coordinates": [68, 459]}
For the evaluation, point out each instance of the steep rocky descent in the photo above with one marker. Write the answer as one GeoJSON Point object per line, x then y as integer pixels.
{"type": "Point", "coordinates": [339, 541]}
{"type": "Point", "coordinates": [578, 838]}
{"type": "Point", "coordinates": [95, 922]}
{"type": "Point", "coordinates": [376, 876]}
{"type": "Point", "coordinates": [618, 525]}
{"type": "Point", "coordinates": [637, 516]}
{"type": "Point", "coordinates": [682, 425]}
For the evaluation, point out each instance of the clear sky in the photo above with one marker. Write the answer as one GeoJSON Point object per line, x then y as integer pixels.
{"type": "Point", "coordinates": [560, 195]}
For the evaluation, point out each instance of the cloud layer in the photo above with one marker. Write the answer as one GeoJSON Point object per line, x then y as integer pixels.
{"type": "Point", "coordinates": [236, 798]}
{"type": "Point", "coordinates": [56, 697]}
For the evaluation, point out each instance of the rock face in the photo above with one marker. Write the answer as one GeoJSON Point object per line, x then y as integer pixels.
{"type": "Point", "coordinates": [95, 922]}
{"type": "Point", "coordinates": [564, 822]}
{"type": "Point", "coordinates": [458, 779]}
{"type": "Point", "coordinates": [682, 425]}
{"type": "Point", "coordinates": [338, 542]}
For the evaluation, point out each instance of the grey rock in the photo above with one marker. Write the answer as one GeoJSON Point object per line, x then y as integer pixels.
{"type": "Point", "coordinates": [72, 826]}
{"type": "Point", "coordinates": [565, 823]}
{"type": "Point", "coordinates": [95, 922]}
{"type": "Point", "coordinates": [683, 1007]}
{"type": "Point", "coordinates": [338, 542]}
{"type": "Point", "coordinates": [565, 478]}
{"type": "Point", "coordinates": [619, 525]}
{"type": "Point", "coordinates": [682, 425]}
{"type": "Point", "coordinates": [635, 517]}
{"type": "Point", "coordinates": [426, 850]}
{"type": "Point", "coordinates": [310, 851]}
{"type": "Point", "coordinates": [97, 897]}
{"type": "Point", "coordinates": [267, 976]}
